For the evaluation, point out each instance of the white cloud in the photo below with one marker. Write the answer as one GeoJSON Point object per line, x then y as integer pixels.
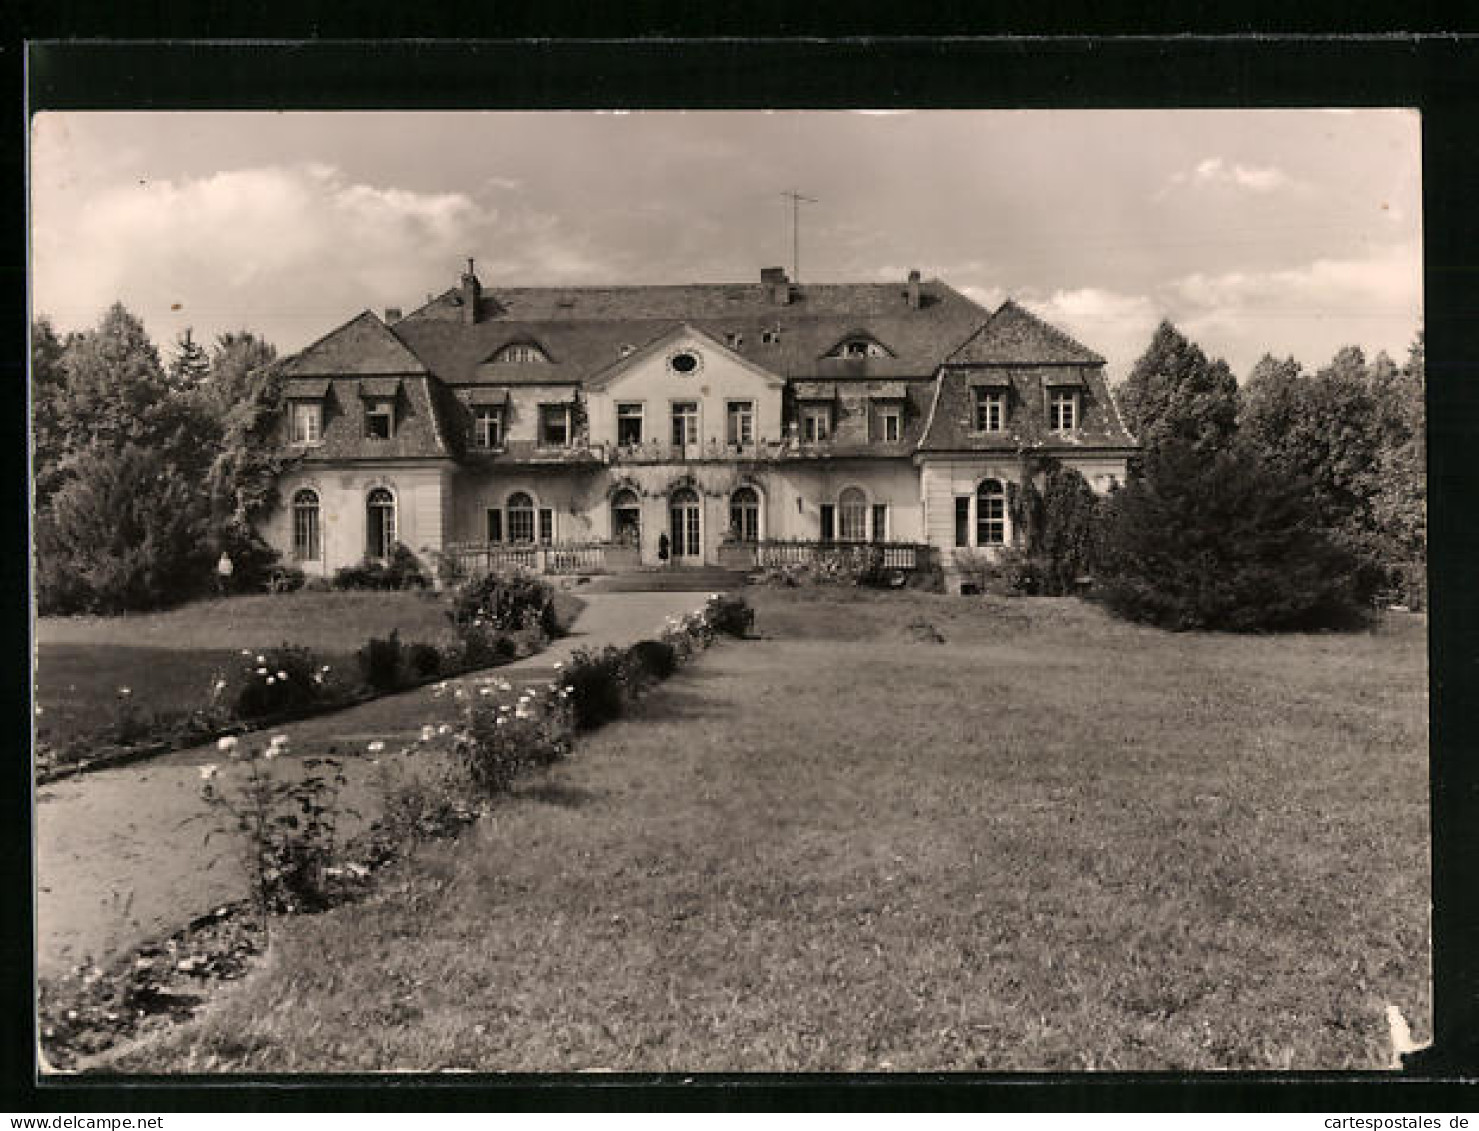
{"type": "Point", "coordinates": [1387, 282]}
{"type": "Point", "coordinates": [1215, 172]}
{"type": "Point", "coordinates": [289, 251]}
{"type": "Point", "coordinates": [1117, 325]}
{"type": "Point", "coordinates": [1310, 310]}
{"type": "Point", "coordinates": [988, 297]}
{"type": "Point", "coordinates": [265, 247]}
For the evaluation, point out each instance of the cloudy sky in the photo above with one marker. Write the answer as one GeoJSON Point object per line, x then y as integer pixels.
{"type": "Point", "coordinates": [1293, 232]}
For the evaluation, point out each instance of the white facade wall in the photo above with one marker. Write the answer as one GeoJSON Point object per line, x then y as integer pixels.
{"type": "Point", "coordinates": [722, 377]}
{"type": "Point", "coordinates": [420, 492]}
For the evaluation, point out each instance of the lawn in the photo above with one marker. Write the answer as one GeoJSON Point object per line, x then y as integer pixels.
{"type": "Point", "coordinates": [168, 660]}
{"type": "Point", "coordinates": [1050, 841]}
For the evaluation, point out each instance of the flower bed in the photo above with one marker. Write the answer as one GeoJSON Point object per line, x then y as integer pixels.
{"type": "Point", "coordinates": [285, 812]}
{"type": "Point", "coordinates": [493, 621]}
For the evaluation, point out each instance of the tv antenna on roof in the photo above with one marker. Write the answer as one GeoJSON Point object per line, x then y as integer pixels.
{"type": "Point", "coordinates": [796, 198]}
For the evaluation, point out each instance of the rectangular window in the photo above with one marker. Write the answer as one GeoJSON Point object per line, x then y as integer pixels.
{"type": "Point", "coordinates": [991, 521]}
{"type": "Point", "coordinates": [829, 525]}
{"type": "Point", "coordinates": [741, 425]}
{"type": "Point", "coordinates": [305, 532]}
{"type": "Point", "coordinates": [854, 515]}
{"type": "Point", "coordinates": [487, 427]}
{"type": "Point", "coordinates": [880, 522]}
{"type": "Point", "coordinates": [1062, 410]}
{"type": "Point", "coordinates": [554, 425]}
{"type": "Point", "coordinates": [308, 422]}
{"type": "Point", "coordinates": [521, 524]}
{"type": "Point", "coordinates": [990, 410]}
{"type": "Point", "coordinates": [890, 424]}
{"type": "Point", "coordinates": [963, 520]}
{"type": "Point", "coordinates": [816, 423]}
{"type": "Point", "coordinates": [379, 420]}
{"type": "Point", "coordinates": [628, 424]}
{"type": "Point", "coordinates": [495, 525]}
{"type": "Point", "coordinates": [546, 526]}
{"type": "Point", "coordinates": [685, 423]}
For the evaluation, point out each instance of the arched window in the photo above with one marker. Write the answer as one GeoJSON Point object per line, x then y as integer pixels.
{"type": "Point", "coordinates": [857, 347]}
{"type": "Point", "coordinates": [991, 514]}
{"type": "Point", "coordinates": [306, 542]}
{"type": "Point", "coordinates": [626, 518]}
{"type": "Point", "coordinates": [379, 523]}
{"type": "Point", "coordinates": [852, 513]}
{"type": "Point", "coordinates": [744, 514]}
{"type": "Point", "coordinates": [520, 517]}
{"type": "Point", "coordinates": [521, 352]}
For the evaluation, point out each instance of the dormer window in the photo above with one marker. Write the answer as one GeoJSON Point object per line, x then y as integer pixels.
{"type": "Point", "coordinates": [308, 422]}
{"type": "Point", "coordinates": [990, 409]}
{"type": "Point", "coordinates": [816, 422]}
{"type": "Point", "coordinates": [890, 423]}
{"type": "Point", "coordinates": [487, 427]}
{"type": "Point", "coordinates": [521, 353]}
{"type": "Point", "coordinates": [379, 419]}
{"type": "Point", "coordinates": [554, 425]}
{"type": "Point", "coordinates": [1063, 410]}
{"type": "Point", "coordinates": [856, 348]}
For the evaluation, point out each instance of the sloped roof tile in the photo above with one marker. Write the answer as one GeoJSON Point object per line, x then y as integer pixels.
{"type": "Point", "coordinates": [362, 347]}
{"type": "Point", "coordinates": [951, 426]}
{"type": "Point", "coordinates": [1015, 336]}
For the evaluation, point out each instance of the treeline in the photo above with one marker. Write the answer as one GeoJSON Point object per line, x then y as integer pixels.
{"type": "Point", "coordinates": [143, 472]}
{"type": "Point", "coordinates": [1293, 501]}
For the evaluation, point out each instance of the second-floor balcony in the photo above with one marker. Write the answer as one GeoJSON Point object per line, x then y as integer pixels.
{"type": "Point", "coordinates": [657, 451]}
{"type": "Point", "coordinates": [662, 452]}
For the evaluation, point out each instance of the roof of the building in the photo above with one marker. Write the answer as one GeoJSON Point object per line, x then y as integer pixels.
{"type": "Point", "coordinates": [419, 432]}
{"type": "Point", "coordinates": [362, 347]}
{"type": "Point", "coordinates": [1015, 336]}
{"type": "Point", "coordinates": [951, 425]}
{"type": "Point", "coordinates": [584, 330]}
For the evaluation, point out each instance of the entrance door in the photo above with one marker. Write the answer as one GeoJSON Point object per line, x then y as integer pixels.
{"type": "Point", "coordinates": [684, 527]}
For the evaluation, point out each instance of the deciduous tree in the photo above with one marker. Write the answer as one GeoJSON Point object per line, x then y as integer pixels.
{"type": "Point", "coordinates": [1175, 393]}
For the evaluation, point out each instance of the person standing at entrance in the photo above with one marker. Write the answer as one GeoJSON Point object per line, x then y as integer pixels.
{"type": "Point", "coordinates": [662, 548]}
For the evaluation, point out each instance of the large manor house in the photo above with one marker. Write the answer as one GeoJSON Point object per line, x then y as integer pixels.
{"type": "Point", "coordinates": [572, 428]}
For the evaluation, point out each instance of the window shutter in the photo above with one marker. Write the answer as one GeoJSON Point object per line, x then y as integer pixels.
{"type": "Point", "coordinates": [963, 521]}
{"type": "Point", "coordinates": [495, 525]}
{"type": "Point", "coordinates": [828, 522]}
{"type": "Point", "coordinates": [546, 526]}
{"type": "Point", "coordinates": [880, 521]}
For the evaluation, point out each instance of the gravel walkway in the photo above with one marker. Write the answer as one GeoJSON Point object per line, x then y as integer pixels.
{"type": "Point", "coordinates": [122, 855]}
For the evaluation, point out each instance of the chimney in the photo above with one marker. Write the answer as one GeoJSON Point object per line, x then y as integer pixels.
{"type": "Point", "coordinates": [913, 290]}
{"type": "Point", "coordinates": [777, 286]}
{"type": "Point", "coordinates": [471, 291]}
{"type": "Point", "coordinates": [392, 314]}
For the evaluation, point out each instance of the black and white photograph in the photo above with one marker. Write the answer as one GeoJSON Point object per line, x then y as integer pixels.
{"type": "Point", "coordinates": [729, 591]}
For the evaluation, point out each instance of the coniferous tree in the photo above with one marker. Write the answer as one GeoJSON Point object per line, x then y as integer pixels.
{"type": "Point", "coordinates": [127, 531]}
{"type": "Point", "coordinates": [1222, 541]}
{"type": "Point", "coordinates": [190, 366]}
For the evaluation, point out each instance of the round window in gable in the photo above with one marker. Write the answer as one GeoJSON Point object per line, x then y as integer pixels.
{"type": "Point", "coordinates": [685, 362]}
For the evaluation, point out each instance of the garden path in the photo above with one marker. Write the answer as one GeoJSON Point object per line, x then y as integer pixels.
{"type": "Point", "coordinates": [122, 854]}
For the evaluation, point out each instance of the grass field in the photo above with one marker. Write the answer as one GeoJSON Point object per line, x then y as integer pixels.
{"type": "Point", "coordinates": [1051, 841]}
{"type": "Point", "coordinates": [168, 660]}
